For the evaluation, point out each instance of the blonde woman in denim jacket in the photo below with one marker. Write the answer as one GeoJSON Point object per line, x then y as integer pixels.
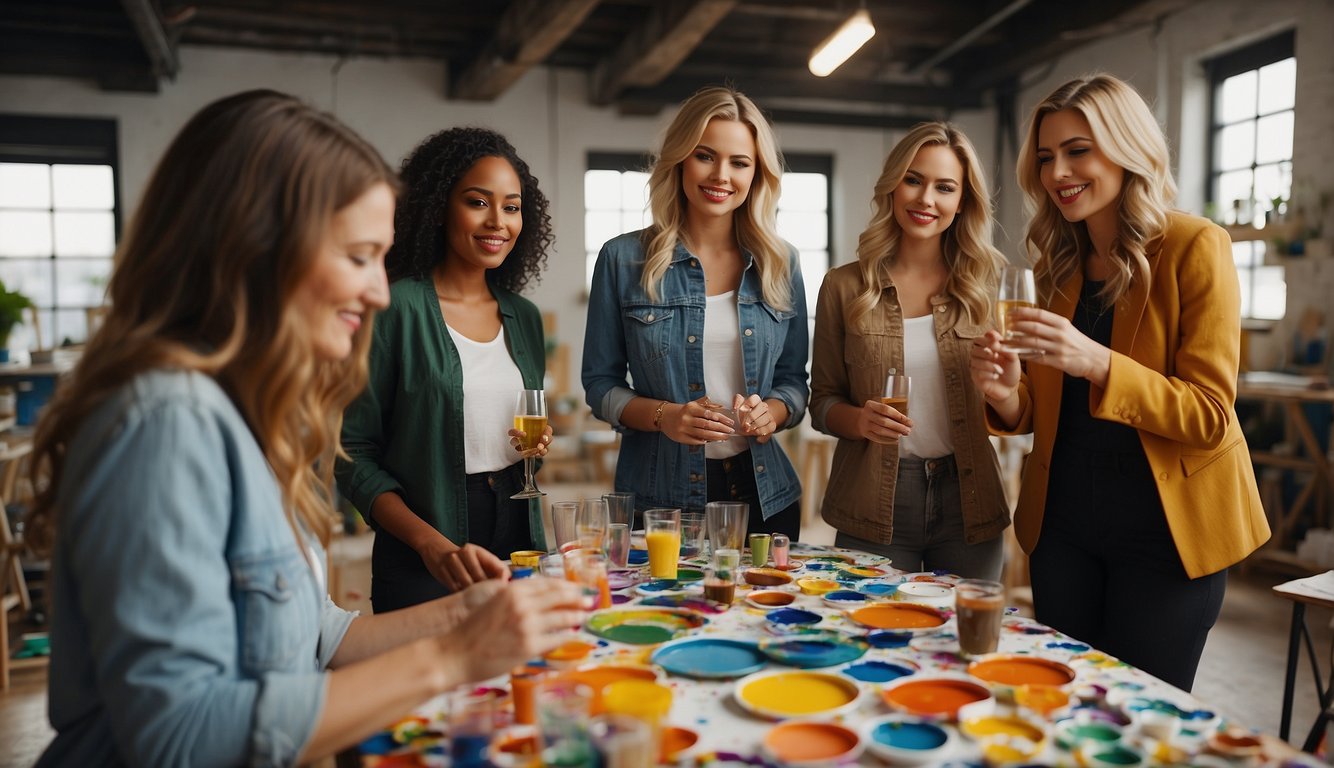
{"type": "Point", "coordinates": [927, 492]}
{"type": "Point", "coordinates": [707, 305]}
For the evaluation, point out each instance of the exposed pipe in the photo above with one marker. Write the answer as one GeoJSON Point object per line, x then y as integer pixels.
{"type": "Point", "coordinates": [968, 37]}
{"type": "Point", "coordinates": [153, 37]}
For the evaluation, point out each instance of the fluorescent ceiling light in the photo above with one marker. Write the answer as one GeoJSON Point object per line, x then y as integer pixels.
{"type": "Point", "coordinates": [836, 48]}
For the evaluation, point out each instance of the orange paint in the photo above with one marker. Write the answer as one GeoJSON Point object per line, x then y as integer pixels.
{"type": "Point", "coordinates": [772, 598]}
{"type": "Point", "coordinates": [934, 697]}
{"type": "Point", "coordinates": [675, 740]}
{"type": "Point", "coordinates": [570, 651]}
{"type": "Point", "coordinates": [906, 616]}
{"type": "Point", "coordinates": [796, 742]}
{"type": "Point", "coordinates": [598, 678]}
{"type": "Point", "coordinates": [1021, 670]}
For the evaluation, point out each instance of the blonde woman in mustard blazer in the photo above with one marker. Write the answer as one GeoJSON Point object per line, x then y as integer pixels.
{"type": "Point", "coordinates": [1139, 492]}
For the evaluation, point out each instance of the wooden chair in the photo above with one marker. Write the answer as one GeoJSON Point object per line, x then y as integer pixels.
{"type": "Point", "coordinates": [13, 460]}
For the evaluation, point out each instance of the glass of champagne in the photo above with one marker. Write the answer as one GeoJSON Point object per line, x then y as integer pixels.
{"type": "Point", "coordinates": [1016, 292]}
{"type": "Point", "coordinates": [530, 417]}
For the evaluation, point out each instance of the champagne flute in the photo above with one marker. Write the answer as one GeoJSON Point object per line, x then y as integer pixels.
{"type": "Point", "coordinates": [530, 417]}
{"type": "Point", "coordinates": [1016, 292]}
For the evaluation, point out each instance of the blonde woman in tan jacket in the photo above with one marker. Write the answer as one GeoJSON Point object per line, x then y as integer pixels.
{"type": "Point", "coordinates": [924, 491]}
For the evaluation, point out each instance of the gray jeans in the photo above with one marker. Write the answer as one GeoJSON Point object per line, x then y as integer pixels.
{"type": "Point", "coordinates": [928, 525]}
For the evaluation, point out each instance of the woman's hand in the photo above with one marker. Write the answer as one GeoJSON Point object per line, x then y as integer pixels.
{"type": "Point", "coordinates": [512, 622]}
{"type": "Point", "coordinates": [1060, 345]}
{"type": "Point", "coordinates": [460, 567]}
{"type": "Point", "coordinates": [759, 418]}
{"type": "Point", "coordinates": [693, 423]}
{"type": "Point", "coordinates": [994, 369]}
{"type": "Point", "coordinates": [883, 424]}
{"type": "Point", "coordinates": [516, 438]}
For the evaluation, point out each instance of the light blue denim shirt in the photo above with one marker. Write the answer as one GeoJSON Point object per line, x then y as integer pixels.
{"type": "Point", "coordinates": [660, 345]}
{"type": "Point", "coordinates": [187, 627]}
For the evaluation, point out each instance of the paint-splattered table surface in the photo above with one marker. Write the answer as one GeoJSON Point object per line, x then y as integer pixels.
{"type": "Point", "coordinates": [1110, 714]}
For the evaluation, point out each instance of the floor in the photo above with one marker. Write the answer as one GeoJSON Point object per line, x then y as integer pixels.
{"type": "Point", "coordinates": [1241, 673]}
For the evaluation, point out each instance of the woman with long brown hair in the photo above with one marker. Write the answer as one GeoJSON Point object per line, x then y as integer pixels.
{"type": "Point", "coordinates": [188, 457]}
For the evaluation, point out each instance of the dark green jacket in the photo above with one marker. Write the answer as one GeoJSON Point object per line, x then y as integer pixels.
{"type": "Point", "coordinates": [405, 432]}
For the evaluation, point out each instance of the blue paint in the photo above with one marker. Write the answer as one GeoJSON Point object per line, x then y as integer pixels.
{"type": "Point", "coordinates": [816, 566]}
{"type": "Point", "coordinates": [659, 585]}
{"type": "Point", "coordinates": [845, 596]}
{"type": "Point", "coordinates": [910, 735]}
{"type": "Point", "coordinates": [1072, 647]}
{"type": "Point", "coordinates": [887, 638]}
{"type": "Point", "coordinates": [470, 751]}
{"type": "Point", "coordinates": [876, 671]}
{"type": "Point", "coordinates": [823, 650]}
{"type": "Point", "coordinates": [638, 557]}
{"type": "Point", "coordinates": [793, 616]}
{"type": "Point", "coordinates": [710, 657]}
{"type": "Point", "coordinates": [380, 744]}
{"type": "Point", "coordinates": [877, 588]}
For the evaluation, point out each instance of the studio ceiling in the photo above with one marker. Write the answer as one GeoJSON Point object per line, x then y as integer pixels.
{"type": "Point", "coordinates": [926, 60]}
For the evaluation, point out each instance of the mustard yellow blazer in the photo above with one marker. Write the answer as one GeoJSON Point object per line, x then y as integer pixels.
{"type": "Point", "coordinates": [1175, 349]}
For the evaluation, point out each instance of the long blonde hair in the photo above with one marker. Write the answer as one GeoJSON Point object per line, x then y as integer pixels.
{"type": "Point", "coordinates": [974, 264]}
{"type": "Point", "coordinates": [1125, 131]}
{"type": "Point", "coordinates": [230, 223]}
{"type": "Point", "coordinates": [756, 221]}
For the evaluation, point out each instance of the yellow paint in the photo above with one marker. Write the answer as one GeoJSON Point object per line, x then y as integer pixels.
{"type": "Point", "coordinates": [664, 549]}
{"type": "Point", "coordinates": [797, 694]}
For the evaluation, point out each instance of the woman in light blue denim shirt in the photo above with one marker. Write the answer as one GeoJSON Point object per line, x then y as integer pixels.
{"type": "Point", "coordinates": [704, 308]}
{"type": "Point", "coordinates": [190, 621]}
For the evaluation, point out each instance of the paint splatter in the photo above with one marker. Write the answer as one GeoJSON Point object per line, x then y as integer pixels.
{"type": "Point", "coordinates": [1068, 646]}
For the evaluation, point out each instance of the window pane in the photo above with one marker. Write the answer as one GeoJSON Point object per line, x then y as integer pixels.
{"type": "Point", "coordinates": [82, 282]}
{"type": "Point", "coordinates": [805, 230]}
{"type": "Point", "coordinates": [814, 265]}
{"type": "Point", "coordinates": [71, 324]}
{"type": "Point", "coordinates": [1272, 181]}
{"type": "Point", "coordinates": [25, 233]}
{"type": "Point", "coordinates": [1243, 255]}
{"type": "Point", "coordinates": [31, 276]}
{"type": "Point", "coordinates": [1278, 86]}
{"type": "Point", "coordinates": [632, 221]}
{"type": "Point", "coordinates": [804, 192]}
{"type": "Point", "coordinates": [634, 191]}
{"type": "Point", "coordinates": [1236, 98]}
{"type": "Point", "coordinates": [1235, 147]}
{"type": "Point", "coordinates": [602, 190]}
{"type": "Point", "coordinates": [83, 186]}
{"type": "Point", "coordinates": [599, 227]}
{"type": "Point", "coordinates": [25, 185]}
{"type": "Point", "coordinates": [1233, 186]}
{"type": "Point", "coordinates": [1275, 138]}
{"type": "Point", "coordinates": [85, 234]}
{"type": "Point", "coordinates": [1271, 293]}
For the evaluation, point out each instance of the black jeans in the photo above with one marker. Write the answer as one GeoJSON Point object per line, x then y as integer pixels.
{"type": "Point", "coordinates": [733, 479]}
{"type": "Point", "coordinates": [496, 523]}
{"type": "Point", "coordinates": [1105, 569]}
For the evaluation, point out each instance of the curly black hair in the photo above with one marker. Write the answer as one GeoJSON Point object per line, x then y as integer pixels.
{"type": "Point", "coordinates": [429, 175]}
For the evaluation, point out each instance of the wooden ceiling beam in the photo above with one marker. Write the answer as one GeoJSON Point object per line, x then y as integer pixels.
{"type": "Point", "coordinates": [153, 36]}
{"type": "Point", "coordinates": [762, 87]}
{"type": "Point", "coordinates": [528, 32]}
{"type": "Point", "coordinates": [655, 48]}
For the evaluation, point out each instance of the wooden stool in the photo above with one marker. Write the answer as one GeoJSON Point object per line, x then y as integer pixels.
{"type": "Point", "coordinates": [13, 459]}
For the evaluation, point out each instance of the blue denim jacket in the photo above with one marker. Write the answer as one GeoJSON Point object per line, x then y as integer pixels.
{"type": "Point", "coordinates": [660, 344]}
{"type": "Point", "coordinates": [187, 627]}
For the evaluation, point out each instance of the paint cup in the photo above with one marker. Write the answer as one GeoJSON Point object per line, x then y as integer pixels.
{"type": "Point", "coordinates": [472, 720]}
{"type": "Point", "coordinates": [896, 392]}
{"type": "Point", "coordinates": [523, 692]}
{"type": "Point", "coordinates": [622, 741]}
{"type": "Point", "coordinates": [979, 605]}
{"type": "Point", "coordinates": [719, 585]}
{"type": "Point", "coordinates": [781, 546]}
{"type": "Point", "coordinates": [618, 545]}
{"type": "Point", "coordinates": [729, 559]}
{"type": "Point", "coordinates": [663, 538]}
{"type": "Point", "coordinates": [562, 718]}
{"type": "Point", "coordinates": [620, 508]}
{"type": "Point", "coordinates": [643, 700]}
{"type": "Point", "coordinates": [588, 569]}
{"type": "Point", "coordinates": [564, 522]}
{"type": "Point", "coordinates": [759, 549]}
{"type": "Point", "coordinates": [726, 521]}
{"type": "Point", "coordinates": [591, 524]}
{"type": "Point", "coordinates": [692, 534]}
{"type": "Point", "coordinates": [526, 558]}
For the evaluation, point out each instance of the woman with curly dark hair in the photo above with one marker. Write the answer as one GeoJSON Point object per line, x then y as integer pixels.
{"type": "Point", "coordinates": [432, 477]}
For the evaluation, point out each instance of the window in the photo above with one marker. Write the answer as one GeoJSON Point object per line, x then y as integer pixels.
{"type": "Point", "coordinates": [59, 220]}
{"type": "Point", "coordinates": [616, 201]}
{"type": "Point", "coordinates": [1250, 160]}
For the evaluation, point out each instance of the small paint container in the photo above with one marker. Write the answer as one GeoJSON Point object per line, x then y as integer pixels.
{"type": "Point", "coordinates": [844, 598]}
{"type": "Point", "coordinates": [907, 740]}
{"type": "Point", "coordinates": [813, 586]}
{"type": "Point", "coordinates": [1072, 732]}
{"type": "Point", "coordinates": [766, 577]}
{"type": "Point", "coordinates": [676, 744]}
{"type": "Point", "coordinates": [526, 558]}
{"type": "Point", "coordinates": [1005, 740]}
{"type": "Point", "coordinates": [1236, 744]}
{"type": "Point", "coordinates": [812, 743]}
{"type": "Point", "coordinates": [1092, 754]}
{"type": "Point", "coordinates": [878, 590]}
{"type": "Point", "coordinates": [1048, 702]}
{"type": "Point", "coordinates": [879, 671]}
{"type": "Point", "coordinates": [940, 697]}
{"type": "Point", "coordinates": [769, 599]}
{"type": "Point", "coordinates": [932, 593]}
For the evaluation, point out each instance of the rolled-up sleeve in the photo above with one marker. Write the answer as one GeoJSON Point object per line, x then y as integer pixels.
{"type": "Point", "coordinates": [361, 477]}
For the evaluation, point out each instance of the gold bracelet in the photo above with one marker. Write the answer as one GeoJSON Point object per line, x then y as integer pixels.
{"type": "Point", "coordinates": [657, 415]}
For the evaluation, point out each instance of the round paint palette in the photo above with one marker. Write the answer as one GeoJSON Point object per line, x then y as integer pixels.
{"type": "Point", "coordinates": [901, 617]}
{"type": "Point", "coordinates": [709, 657]}
{"type": "Point", "coordinates": [878, 589]}
{"type": "Point", "coordinates": [907, 740]}
{"type": "Point", "coordinates": [1005, 740]}
{"type": "Point", "coordinates": [770, 598]}
{"type": "Point", "coordinates": [642, 626]}
{"type": "Point", "coordinates": [863, 571]}
{"type": "Point", "coordinates": [788, 693]}
{"type": "Point", "coordinates": [684, 574]}
{"type": "Point", "coordinates": [939, 697]}
{"type": "Point", "coordinates": [826, 557]}
{"type": "Point", "coordinates": [879, 671]}
{"type": "Point", "coordinates": [943, 577]}
{"type": "Point", "coordinates": [811, 743]}
{"type": "Point", "coordinates": [815, 586]}
{"type": "Point", "coordinates": [599, 677]}
{"type": "Point", "coordinates": [932, 593]}
{"type": "Point", "coordinates": [691, 601]}
{"type": "Point", "coordinates": [820, 565]}
{"type": "Point", "coordinates": [767, 577]}
{"type": "Point", "coordinates": [661, 587]}
{"type": "Point", "coordinates": [793, 617]}
{"type": "Point", "coordinates": [844, 598]}
{"type": "Point", "coordinates": [814, 649]}
{"type": "Point", "coordinates": [1007, 671]}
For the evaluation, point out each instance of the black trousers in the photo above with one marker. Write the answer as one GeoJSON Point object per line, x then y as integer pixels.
{"type": "Point", "coordinates": [733, 479]}
{"type": "Point", "coordinates": [1105, 570]}
{"type": "Point", "coordinates": [496, 522]}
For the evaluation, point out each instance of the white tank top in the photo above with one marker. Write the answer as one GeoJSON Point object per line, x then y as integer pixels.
{"type": "Point", "coordinates": [491, 386]}
{"type": "Point", "coordinates": [723, 374]}
{"type": "Point", "coordinates": [928, 405]}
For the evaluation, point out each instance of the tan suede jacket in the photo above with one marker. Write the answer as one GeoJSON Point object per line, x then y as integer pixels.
{"type": "Point", "coordinates": [849, 365]}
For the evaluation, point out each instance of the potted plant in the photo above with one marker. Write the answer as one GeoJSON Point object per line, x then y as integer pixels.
{"type": "Point", "coordinates": [12, 304]}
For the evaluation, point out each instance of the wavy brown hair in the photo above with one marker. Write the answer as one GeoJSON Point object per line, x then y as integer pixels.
{"type": "Point", "coordinates": [230, 223]}
{"type": "Point", "coordinates": [756, 220]}
{"type": "Point", "coordinates": [974, 264]}
{"type": "Point", "coordinates": [1127, 133]}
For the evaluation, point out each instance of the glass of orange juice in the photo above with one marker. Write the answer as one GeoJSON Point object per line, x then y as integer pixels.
{"type": "Point", "coordinates": [588, 569]}
{"type": "Point", "coordinates": [662, 535]}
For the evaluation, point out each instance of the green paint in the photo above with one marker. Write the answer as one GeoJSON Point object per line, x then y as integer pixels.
{"type": "Point", "coordinates": [638, 634]}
